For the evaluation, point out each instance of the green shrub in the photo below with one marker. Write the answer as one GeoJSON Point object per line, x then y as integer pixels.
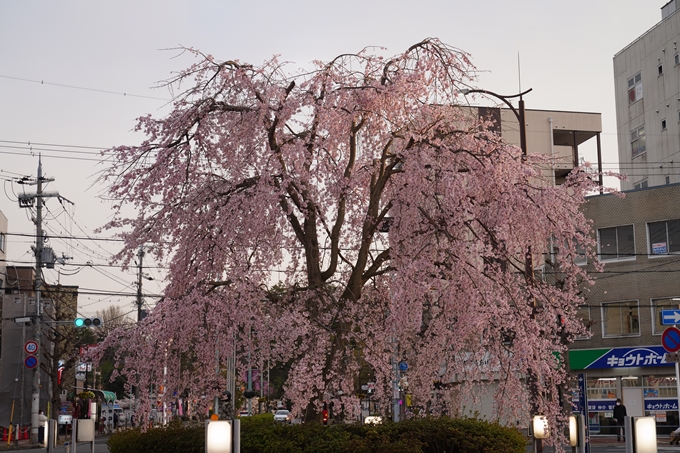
{"type": "Point", "coordinates": [259, 434]}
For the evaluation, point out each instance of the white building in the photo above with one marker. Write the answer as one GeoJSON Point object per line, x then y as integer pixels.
{"type": "Point", "coordinates": [647, 91]}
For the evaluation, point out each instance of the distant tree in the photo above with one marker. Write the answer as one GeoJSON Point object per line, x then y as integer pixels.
{"type": "Point", "coordinates": [60, 349]}
{"type": "Point", "coordinates": [397, 221]}
{"type": "Point", "coordinates": [113, 317]}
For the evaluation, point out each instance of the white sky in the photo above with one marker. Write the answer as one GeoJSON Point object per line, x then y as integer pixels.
{"type": "Point", "coordinates": [566, 51]}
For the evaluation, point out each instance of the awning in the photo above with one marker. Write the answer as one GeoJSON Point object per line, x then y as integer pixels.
{"type": "Point", "coordinates": [109, 397]}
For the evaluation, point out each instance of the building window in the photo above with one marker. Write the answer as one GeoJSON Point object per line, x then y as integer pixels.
{"type": "Point", "coordinates": [637, 140]}
{"type": "Point", "coordinates": [676, 59]}
{"type": "Point", "coordinates": [668, 179]}
{"type": "Point", "coordinates": [657, 306]}
{"type": "Point", "coordinates": [616, 243]}
{"type": "Point", "coordinates": [620, 319]}
{"type": "Point", "coordinates": [2, 242]}
{"type": "Point", "coordinates": [660, 69]}
{"type": "Point", "coordinates": [664, 237]}
{"type": "Point", "coordinates": [584, 313]}
{"type": "Point", "coordinates": [641, 184]}
{"type": "Point", "coordinates": [663, 124]}
{"type": "Point", "coordinates": [635, 88]}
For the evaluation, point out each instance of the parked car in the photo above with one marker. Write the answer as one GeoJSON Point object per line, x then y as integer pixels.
{"type": "Point", "coordinates": [282, 416]}
{"type": "Point", "coordinates": [243, 414]}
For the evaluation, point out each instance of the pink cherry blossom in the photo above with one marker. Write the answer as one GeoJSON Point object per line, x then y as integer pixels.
{"type": "Point", "coordinates": [262, 175]}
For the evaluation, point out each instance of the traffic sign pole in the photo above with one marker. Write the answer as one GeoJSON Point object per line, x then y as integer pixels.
{"type": "Point", "coordinates": [677, 381]}
{"type": "Point", "coordinates": [671, 343]}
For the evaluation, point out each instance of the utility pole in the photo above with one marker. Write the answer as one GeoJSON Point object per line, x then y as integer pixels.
{"type": "Point", "coordinates": [26, 201]}
{"type": "Point", "coordinates": [140, 256]}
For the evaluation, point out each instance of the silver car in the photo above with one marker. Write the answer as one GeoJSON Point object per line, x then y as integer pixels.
{"type": "Point", "coordinates": [282, 416]}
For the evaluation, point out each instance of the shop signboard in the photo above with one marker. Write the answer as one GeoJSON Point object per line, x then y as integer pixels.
{"type": "Point", "coordinates": [627, 357]}
{"type": "Point", "coordinates": [601, 405]}
{"type": "Point", "coordinates": [661, 404]}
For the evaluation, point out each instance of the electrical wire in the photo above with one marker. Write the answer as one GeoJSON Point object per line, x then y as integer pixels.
{"type": "Point", "coordinates": [75, 87]}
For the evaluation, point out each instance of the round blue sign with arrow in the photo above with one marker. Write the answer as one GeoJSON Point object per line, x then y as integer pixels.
{"type": "Point", "coordinates": [671, 339]}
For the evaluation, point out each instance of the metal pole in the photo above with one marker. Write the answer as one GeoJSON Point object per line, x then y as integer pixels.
{"type": "Point", "coordinates": [250, 374]}
{"type": "Point", "coordinates": [395, 391]}
{"type": "Point", "coordinates": [35, 395]}
{"type": "Point", "coordinates": [269, 370]}
{"type": "Point", "coordinates": [236, 433]}
{"type": "Point", "coordinates": [522, 127]}
{"type": "Point", "coordinates": [22, 399]}
{"type": "Point", "coordinates": [677, 382]}
{"type": "Point", "coordinates": [140, 256]}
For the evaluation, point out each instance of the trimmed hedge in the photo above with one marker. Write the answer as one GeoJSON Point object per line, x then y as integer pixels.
{"type": "Point", "coordinates": [259, 434]}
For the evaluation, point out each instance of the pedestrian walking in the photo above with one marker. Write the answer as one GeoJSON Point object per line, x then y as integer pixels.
{"type": "Point", "coordinates": [620, 415]}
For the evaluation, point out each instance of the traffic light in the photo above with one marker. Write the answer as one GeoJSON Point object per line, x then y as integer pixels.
{"type": "Point", "coordinates": [88, 322]}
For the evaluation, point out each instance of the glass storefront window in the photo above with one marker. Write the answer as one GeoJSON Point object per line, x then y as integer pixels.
{"type": "Point", "coordinates": [601, 399]}
{"type": "Point", "coordinates": [631, 381]}
{"type": "Point", "coordinates": [660, 387]}
{"type": "Point", "coordinates": [600, 389]}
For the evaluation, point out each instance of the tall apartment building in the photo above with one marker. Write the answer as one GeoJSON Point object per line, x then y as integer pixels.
{"type": "Point", "coordinates": [647, 91]}
{"type": "Point", "coordinates": [638, 239]}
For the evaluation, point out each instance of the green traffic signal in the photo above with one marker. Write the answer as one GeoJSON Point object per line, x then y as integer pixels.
{"type": "Point", "coordinates": [88, 322]}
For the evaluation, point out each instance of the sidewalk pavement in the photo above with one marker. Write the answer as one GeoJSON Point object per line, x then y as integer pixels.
{"type": "Point", "coordinates": [26, 445]}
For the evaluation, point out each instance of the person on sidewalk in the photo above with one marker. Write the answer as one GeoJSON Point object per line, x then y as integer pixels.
{"type": "Point", "coordinates": [619, 415]}
{"type": "Point", "coordinates": [41, 429]}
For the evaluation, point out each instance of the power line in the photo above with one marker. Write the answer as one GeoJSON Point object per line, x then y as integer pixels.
{"type": "Point", "coordinates": [29, 143]}
{"type": "Point", "coordinates": [87, 238]}
{"type": "Point", "coordinates": [52, 157]}
{"type": "Point", "coordinates": [42, 82]}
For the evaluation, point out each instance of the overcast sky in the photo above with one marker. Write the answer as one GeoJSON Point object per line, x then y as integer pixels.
{"type": "Point", "coordinates": [64, 66]}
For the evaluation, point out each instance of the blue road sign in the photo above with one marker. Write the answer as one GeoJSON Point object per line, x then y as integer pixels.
{"type": "Point", "coordinates": [670, 339]}
{"type": "Point", "coordinates": [31, 361]}
{"type": "Point", "coordinates": [670, 317]}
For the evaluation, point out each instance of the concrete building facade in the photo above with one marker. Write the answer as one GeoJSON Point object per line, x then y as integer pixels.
{"type": "Point", "coordinates": [554, 133]}
{"type": "Point", "coordinates": [638, 238]}
{"type": "Point", "coordinates": [647, 92]}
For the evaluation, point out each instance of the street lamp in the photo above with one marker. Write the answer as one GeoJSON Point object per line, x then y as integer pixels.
{"type": "Point", "coordinates": [519, 114]}
{"type": "Point", "coordinates": [218, 436]}
{"type": "Point", "coordinates": [640, 434]}
{"type": "Point", "coordinates": [528, 259]}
